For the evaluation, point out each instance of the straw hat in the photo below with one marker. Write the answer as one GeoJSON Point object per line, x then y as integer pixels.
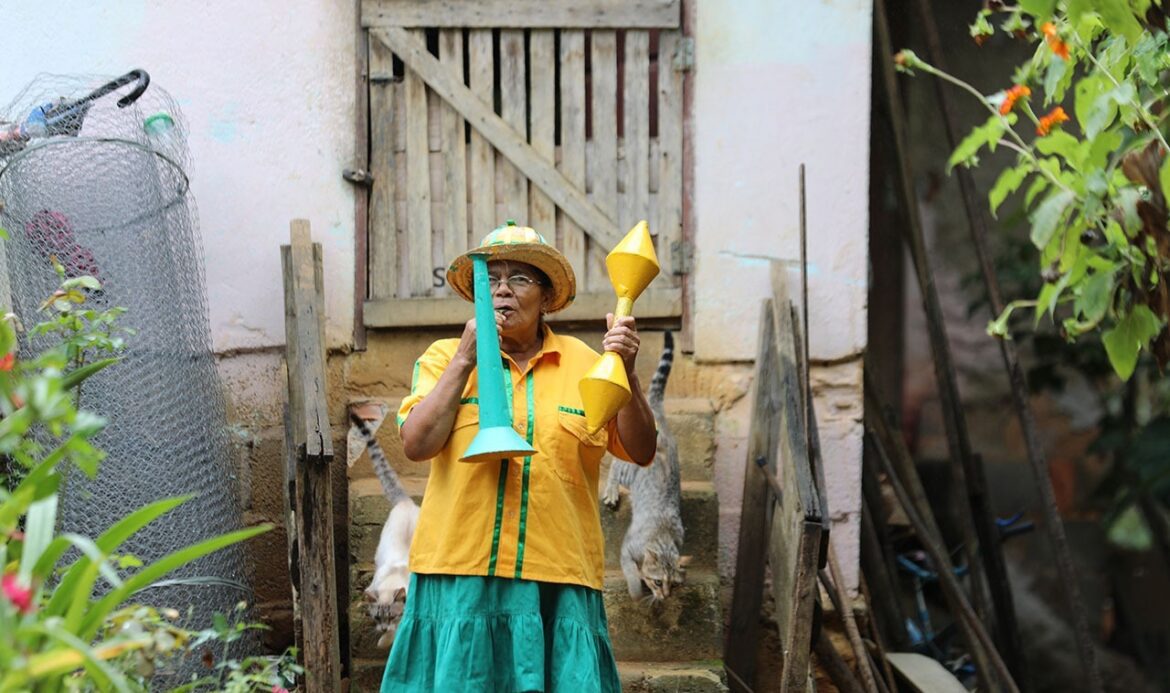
{"type": "Point", "coordinates": [521, 244]}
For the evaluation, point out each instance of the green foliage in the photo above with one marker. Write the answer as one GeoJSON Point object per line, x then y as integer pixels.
{"type": "Point", "coordinates": [1094, 184]}
{"type": "Point", "coordinates": [61, 633]}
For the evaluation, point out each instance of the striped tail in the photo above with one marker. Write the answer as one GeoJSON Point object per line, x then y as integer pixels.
{"type": "Point", "coordinates": [658, 383]}
{"type": "Point", "coordinates": [391, 486]}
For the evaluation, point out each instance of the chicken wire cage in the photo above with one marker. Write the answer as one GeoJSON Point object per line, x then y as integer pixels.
{"type": "Point", "coordinates": [93, 173]}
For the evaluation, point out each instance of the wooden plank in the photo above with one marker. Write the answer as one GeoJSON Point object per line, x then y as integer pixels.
{"type": "Point", "coordinates": [312, 444]}
{"type": "Point", "coordinates": [924, 674]}
{"type": "Point", "coordinates": [483, 157]}
{"type": "Point", "coordinates": [361, 194]}
{"type": "Point", "coordinates": [455, 235]}
{"type": "Point", "coordinates": [756, 513]}
{"type": "Point", "coordinates": [542, 103]}
{"type": "Point", "coordinates": [603, 166]}
{"type": "Point", "coordinates": [636, 129]}
{"type": "Point", "coordinates": [453, 311]}
{"type": "Point", "coordinates": [383, 237]}
{"type": "Point", "coordinates": [572, 164]}
{"type": "Point", "coordinates": [311, 415]}
{"type": "Point", "coordinates": [418, 183]}
{"type": "Point", "coordinates": [514, 111]}
{"type": "Point", "coordinates": [597, 224]}
{"type": "Point", "coordinates": [670, 146]}
{"type": "Point", "coordinates": [520, 14]}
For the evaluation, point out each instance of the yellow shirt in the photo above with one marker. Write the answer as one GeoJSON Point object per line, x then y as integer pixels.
{"type": "Point", "coordinates": [535, 517]}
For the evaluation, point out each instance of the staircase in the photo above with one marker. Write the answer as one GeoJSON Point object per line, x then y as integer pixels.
{"type": "Point", "coordinates": [676, 646]}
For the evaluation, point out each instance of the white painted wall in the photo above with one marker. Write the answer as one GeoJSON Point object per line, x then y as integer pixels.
{"type": "Point", "coordinates": [779, 84]}
{"type": "Point", "coordinates": [267, 87]}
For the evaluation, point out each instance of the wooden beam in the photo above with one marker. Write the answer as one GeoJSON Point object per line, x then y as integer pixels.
{"type": "Point", "coordinates": [419, 232]}
{"type": "Point", "coordinates": [383, 237]}
{"type": "Point", "coordinates": [505, 139]}
{"type": "Point", "coordinates": [670, 144]}
{"type": "Point", "coordinates": [455, 237]}
{"type": "Point", "coordinates": [452, 311]}
{"type": "Point", "coordinates": [311, 445]}
{"type": "Point", "coordinates": [514, 112]}
{"type": "Point", "coordinates": [483, 157]}
{"type": "Point", "coordinates": [524, 14]}
{"type": "Point", "coordinates": [542, 105]}
{"type": "Point", "coordinates": [572, 164]}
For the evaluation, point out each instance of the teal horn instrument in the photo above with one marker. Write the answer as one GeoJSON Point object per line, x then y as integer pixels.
{"type": "Point", "coordinates": [496, 438]}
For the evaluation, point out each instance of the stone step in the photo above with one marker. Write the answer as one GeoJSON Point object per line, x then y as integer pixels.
{"type": "Point", "coordinates": [636, 677]}
{"type": "Point", "coordinates": [700, 516]}
{"type": "Point", "coordinates": [688, 626]}
{"type": "Point", "coordinates": [365, 675]}
{"type": "Point", "coordinates": [692, 423]}
{"type": "Point", "coordinates": [672, 677]}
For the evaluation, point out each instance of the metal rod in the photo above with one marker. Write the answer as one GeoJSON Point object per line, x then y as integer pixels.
{"type": "Point", "coordinates": [840, 599]}
{"type": "Point", "coordinates": [876, 633]}
{"type": "Point", "coordinates": [882, 438]}
{"type": "Point", "coordinates": [1036, 456]}
{"type": "Point", "coordinates": [942, 565]}
{"type": "Point", "coordinates": [980, 533]}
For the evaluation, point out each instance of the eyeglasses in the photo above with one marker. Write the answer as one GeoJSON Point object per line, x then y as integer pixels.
{"type": "Point", "coordinates": [516, 282]}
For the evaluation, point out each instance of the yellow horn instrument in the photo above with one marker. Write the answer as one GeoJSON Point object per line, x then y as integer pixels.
{"type": "Point", "coordinates": [632, 265]}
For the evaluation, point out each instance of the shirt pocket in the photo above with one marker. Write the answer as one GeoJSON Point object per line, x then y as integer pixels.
{"type": "Point", "coordinates": [575, 450]}
{"type": "Point", "coordinates": [464, 428]}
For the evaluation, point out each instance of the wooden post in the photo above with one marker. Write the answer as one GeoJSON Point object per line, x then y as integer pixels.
{"type": "Point", "coordinates": [790, 535]}
{"type": "Point", "coordinates": [312, 446]}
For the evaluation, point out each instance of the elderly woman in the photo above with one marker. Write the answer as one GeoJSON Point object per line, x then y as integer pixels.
{"type": "Point", "coordinates": [507, 561]}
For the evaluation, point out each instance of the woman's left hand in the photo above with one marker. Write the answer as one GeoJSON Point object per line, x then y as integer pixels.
{"type": "Point", "coordinates": [622, 339]}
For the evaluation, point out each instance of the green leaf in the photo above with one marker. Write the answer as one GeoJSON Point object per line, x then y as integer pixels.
{"type": "Point", "coordinates": [1099, 115]}
{"type": "Point", "coordinates": [1101, 148]}
{"type": "Point", "coordinates": [1087, 91]}
{"type": "Point", "coordinates": [39, 525]}
{"type": "Point", "coordinates": [74, 377]}
{"type": "Point", "coordinates": [1060, 143]}
{"type": "Point", "coordinates": [159, 568]}
{"type": "Point", "coordinates": [1119, 19]}
{"type": "Point", "coordinates": [1007, 183]}
{"type": "Point", "coordinates": [1048, 216]}
{"type": "Point", "coordinates": [1164, 177]}
{"type": "Point", "coordinates": [1126, 339]}
{"type": "Point", "coordinates": [84, 282]}
{"type": "Point", "coordinates": [981, 136]}
{"type": "Point", "coordinates": [1040, 9]}
{"type": "Point", "coordinates": [1054, 80]}
{"type": "Point", "coordinates": [1129, 531]}
{"type": "Point", "coordinates": [1096, 293]}
{"type": "Point", "coordinates": [1039, 183]}
{"type": "Point", "coordinates": [7, 337]}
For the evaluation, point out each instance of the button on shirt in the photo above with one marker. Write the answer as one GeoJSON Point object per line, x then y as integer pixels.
{"type": "Point", "coordinates": [534, 517]}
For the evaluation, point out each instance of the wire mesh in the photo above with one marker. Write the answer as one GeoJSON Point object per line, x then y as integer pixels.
{"type": "Point", "coordinates": [110, 198]}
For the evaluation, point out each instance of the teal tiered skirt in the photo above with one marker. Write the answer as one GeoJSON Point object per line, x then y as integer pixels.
{"type": "Point", "coordinates": [474, 633]}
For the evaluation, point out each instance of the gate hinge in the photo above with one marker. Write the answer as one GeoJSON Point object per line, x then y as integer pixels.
{"type": "Point", "coordinates": [682, 257]}
{"type": "Point", "coordinates": [684, 54]}
{"type": "Point", "coordinates": [358, 176]}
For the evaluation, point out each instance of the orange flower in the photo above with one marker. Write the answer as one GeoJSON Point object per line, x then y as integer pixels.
{"type": "Point", "coordinates": [1055, 117]}
{"type": "Point", "coordinates": [1011, 96]}
{"type": "Point", "coordinates": [1060, 48]}
{"type": "Point", "coordinates": [7, 361]}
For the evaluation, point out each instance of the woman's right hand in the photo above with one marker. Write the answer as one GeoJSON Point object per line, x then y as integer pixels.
{"type": "Point", "coordinates": [465, 352]}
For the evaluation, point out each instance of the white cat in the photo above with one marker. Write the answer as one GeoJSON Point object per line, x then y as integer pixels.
{"type": "Point", "coordinates": [387, 589]}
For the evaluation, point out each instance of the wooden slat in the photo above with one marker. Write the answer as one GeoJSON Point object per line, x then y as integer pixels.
{"type": "Point", "coordinates": [756, 513]}
{"type": "Point", "coordinates": [501, 135]}
{"type": "Point", "coordinates": [514, 111]}
{"type": "Point", "coordinates": [670, 146]}
{"type": "Point", "coordinates": [453, 311]}
{"type": "Point", "coordinates": [311, 420]}
{"type": "Point", "coordinates": [572, 164]}
{"type": "Point", "coordinates": [383, 236]}
{"type": "Point", "coordinates": [636, 129]}
{"type": "Point", "coordinates": [542, 136]}
{"type": "Point", "coordinates": [418, 183]}
{"type": "Point", "coordinates": [520, 14]}
{"type": "Point", "coordinates": [603, 166]}
{"type": "Point", "coordinates": [454, 153]}
{"type": "Point", "coordinates": [483, 157]}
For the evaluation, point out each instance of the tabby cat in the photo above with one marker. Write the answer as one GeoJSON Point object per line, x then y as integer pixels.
{"type": "Point", "coordinates": [650, 550]}
{"type": "Point", "coordinates": [387, 591]}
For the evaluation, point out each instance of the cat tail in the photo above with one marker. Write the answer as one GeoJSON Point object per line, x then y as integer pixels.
{"type": "Point", "coordinates": [391, 487]}
{"type": "Point", "coordinates": [658, 383]}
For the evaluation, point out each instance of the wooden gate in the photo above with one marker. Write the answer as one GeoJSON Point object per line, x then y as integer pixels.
{"type": "Point", "coordinates": [565, 115]}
